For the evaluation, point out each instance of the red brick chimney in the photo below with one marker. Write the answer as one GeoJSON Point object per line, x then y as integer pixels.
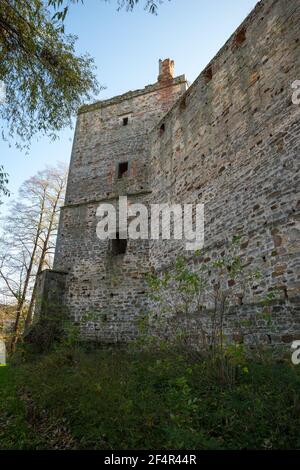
{"type": "Point", "coordinates": [166, 70]}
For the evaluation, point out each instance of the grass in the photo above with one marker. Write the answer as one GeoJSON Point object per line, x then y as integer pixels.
{"type": "Point", "coordinates": [128, 399]}
{"type": "Point", "coordinates": [14, 430]}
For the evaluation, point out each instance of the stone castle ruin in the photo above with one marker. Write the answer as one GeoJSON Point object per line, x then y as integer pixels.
{"type": "Point", "coordinates": [231, 140]}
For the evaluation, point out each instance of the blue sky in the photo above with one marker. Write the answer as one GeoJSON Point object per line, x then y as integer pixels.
{"type": "Point", "coordinates": [126, 48]}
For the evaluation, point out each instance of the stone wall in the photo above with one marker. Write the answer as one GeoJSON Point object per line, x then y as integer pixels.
{"type": "Point", "coordinates": [51, 284]}
{"type": "Point", "coordinates": [104, 291]}
{"type": "Point", "coordinates": [50, 311]}
{"type": "Point", "coordinates": [232, 142]}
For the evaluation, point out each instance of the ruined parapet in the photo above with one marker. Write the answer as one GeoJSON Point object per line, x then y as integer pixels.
{"type": "Point", "coordinates": [50, 293]}
{"type": "Point", "coordinates": [50, 310]}
{"type": "Point", "coordinates": [166, 70]}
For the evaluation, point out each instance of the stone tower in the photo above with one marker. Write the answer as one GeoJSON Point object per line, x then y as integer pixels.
{"type": "Point", "coordinates": [104, 280]}
{"type": "Point", "coordinates": [230, 141]}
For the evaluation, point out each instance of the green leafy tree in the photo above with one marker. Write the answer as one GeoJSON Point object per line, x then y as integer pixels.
{"type": "Point", "coordinates": [45, 81]}
{"type": "Point", "coordinates": [62, 6]}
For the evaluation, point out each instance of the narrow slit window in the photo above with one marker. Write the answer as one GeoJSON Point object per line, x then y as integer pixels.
{"type": "Point", "coordinates": [239, 38]}
{"type": "Point", "coordinates": [162, 129]}
{"type": "Point", "coordinates": [122, 169]}
{"type": "Point", "coordinates": [208, 74]}
{"type": "Point", "coordinates": [125, 121]}
{"type": "Point", "coordinates": [182, 105]}
{"type": "Point", "coordinates": [118, 245]}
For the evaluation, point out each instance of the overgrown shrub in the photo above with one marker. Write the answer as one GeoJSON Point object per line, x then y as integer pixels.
{"type": "Point", "coordinates": [190, 305]}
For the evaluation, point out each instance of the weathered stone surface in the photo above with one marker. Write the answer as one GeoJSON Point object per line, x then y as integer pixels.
{"type": "Point", "coordinates": [50, 310]}
{"type": "Point", "coordinates": [231, 141]}
{"type": "Point", "coordinates": [110, 290]}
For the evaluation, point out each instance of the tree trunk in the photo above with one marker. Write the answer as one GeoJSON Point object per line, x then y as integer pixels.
{"type": "Point", "coordinates": [22, 300]}
{"type": "Point", "coordinates": [45, 247]}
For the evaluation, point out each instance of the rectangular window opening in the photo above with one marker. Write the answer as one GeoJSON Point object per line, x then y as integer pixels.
{"type": "Point", "coordinates": [125, 121]}
{"type": "Point", "coordinates": [118, 245]}
{"type": "Point", "coordinates": [208, 74]}
{"type": "Point", "coordinates": [182, 105]}
{"type": "Point", "coordinates": [122, 169]}
{"type": "Point", "coordinates": [162, 129]}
